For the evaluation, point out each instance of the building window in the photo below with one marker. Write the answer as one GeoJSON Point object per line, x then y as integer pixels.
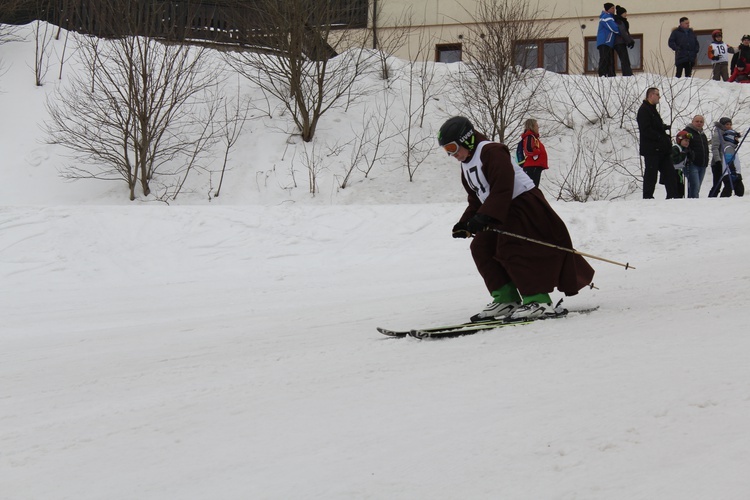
{"type": "Point", "coordinates": [704, 40]}
{"type": "Point", "coordinates": [552, 55]}
{"type": "Point", "coordinates": [448, 52]}
{"type": "Point", "coordinates": [592, 55]}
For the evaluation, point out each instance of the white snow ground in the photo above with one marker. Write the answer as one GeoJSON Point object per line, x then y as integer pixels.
{"type": "Point", "coordinates": [229, 350]}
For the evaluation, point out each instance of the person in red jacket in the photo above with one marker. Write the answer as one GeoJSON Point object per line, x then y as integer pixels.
{"type": "Point", "coordinates": [535, 155]}
{"type": "Point", "coordinates": [741, 72]}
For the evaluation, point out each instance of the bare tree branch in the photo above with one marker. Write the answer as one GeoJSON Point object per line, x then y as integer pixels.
{"type": "Point", "coordinates": [308, 72]}
{"type": "Point", "coordinates": [133, 114]}
{"type": "Point", "coordinates": [496, 93]}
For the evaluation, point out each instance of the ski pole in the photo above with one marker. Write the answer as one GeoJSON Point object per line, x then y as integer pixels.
{"type": "Point", "coordinates": [728, 173]}
{"type": "Point", "coordinates": [737, 149]}
{"type": "Point", "coordinates": [571, 250]}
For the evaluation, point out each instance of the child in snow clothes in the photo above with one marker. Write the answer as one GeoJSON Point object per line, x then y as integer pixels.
{"type": "Point", "coordinates": [535, 155]}
{"type": "Point", "coordinates": [718, 52]}
{"type": "Point", "coordinates": [717, 165]}
{"type": "Point", "coordinates": [682, 158]}
{"type": "Point", "coordinates": [741, 72]}
{"type": "Point", "coordinates": [732, 173]}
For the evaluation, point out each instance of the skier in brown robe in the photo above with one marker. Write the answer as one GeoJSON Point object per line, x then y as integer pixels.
{"type": "Point", "coordinates": [519, 274]}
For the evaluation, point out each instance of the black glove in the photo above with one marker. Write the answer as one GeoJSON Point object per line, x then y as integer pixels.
{"type": "Point", "coordinates": [460, 230]}
{"type": "Point", "coordinates": [631, 45]}
{"type": "Point", "coordinates": [479, 222]}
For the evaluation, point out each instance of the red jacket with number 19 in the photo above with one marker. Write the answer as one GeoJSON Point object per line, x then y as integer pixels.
{"type": "Point", "coordinates": [533, 150]}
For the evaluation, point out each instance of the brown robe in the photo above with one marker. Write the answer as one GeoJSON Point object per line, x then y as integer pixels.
{"type": "Point", "coordinates": [500, 259]}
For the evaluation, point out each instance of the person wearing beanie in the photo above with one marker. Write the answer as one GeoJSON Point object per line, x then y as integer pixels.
{"type": "Point", "coordinates": [717, 153]}
{"type": "Point", "coordinates": [718, 52]}
{"type": "Point", "coordinates": [685, 45]}
{"type": "Point", "coordinates": [731, 175]}
{"type": "Point", "coordinates": [605, 40]}
{"type": "Point", "coordinates": [623, 40]}
{"type": "Point", "coordinates": [741, 67]}
{"type": "Point", "coordinates": [745, 42]}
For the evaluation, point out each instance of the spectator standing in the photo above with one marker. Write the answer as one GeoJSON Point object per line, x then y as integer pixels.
{"type": "Point", "coordinates": [717, 153]}
{"type": "Point", "coordinates": [731, 173]}
{"type": "Point", "coordinates": [605, 40]}
{"type": "Point", "coordinates": [655, 147]}
{"type": "Point", "coordinates": [685, 45]}
{"type": "Point", "coordinates": [696, 170]}
{"type": "Point", "coordinates": [745, 42]}
{"type": "Point", "coordinates": [623, 40]}
{"type": "Point", "coordinates": [534, 152]}
{"type": "Point", "coordinates": [718, 52]}
{"type": "Point", "coordinates": [741, 69]}
{"type": "Point", "coordinates": [682, 157]}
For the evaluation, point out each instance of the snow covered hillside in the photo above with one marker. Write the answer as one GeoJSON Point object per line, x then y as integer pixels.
{"type": "Point", "coordinates": [227, 349]}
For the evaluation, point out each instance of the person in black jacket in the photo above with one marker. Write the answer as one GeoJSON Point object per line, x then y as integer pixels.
{"type": "Point", "coordinates": [623, 41]}
{"type": "Point", "coordinates": [685, 45]}
{"type": "Point", "coordinates": [745, 42]}
{"type": "Point", "coordinates": [741, 66]}
{"type": "Point", "coordinates": [655, 147]}
{"type": "Point", "coordinates": [696, 170]}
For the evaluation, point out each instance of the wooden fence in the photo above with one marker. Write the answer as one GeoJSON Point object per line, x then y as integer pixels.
{"type": "Point", "coordinates": [229, 21]}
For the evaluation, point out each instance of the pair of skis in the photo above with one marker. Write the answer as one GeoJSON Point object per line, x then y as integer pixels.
{"type": "Point", "coordinates": [462, 329]}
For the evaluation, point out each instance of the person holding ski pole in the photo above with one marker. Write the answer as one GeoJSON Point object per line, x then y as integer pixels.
{"type": "Point", "coordinates": [504, 208]}
{"type": "Point", "coordinates": [725, 164]}
{"type": "Point", "coordinates": [732, 178]}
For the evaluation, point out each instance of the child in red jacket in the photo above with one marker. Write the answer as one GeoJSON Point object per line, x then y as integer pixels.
{"type": "Point", "coordinates": [741, 72]}
{"type": "Point", "coordinates": [534, 153]}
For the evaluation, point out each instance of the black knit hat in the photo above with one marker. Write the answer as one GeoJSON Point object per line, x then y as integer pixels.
{"type": "Point", "coordinates": [608, 6]}
{"type": "Point", "coordinates": [620, 10]}
{"type": "Point", "coordinates": [725, 120]}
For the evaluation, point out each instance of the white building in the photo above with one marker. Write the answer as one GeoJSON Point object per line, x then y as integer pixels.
{"type": "Point", "coordinates": [446, 24]}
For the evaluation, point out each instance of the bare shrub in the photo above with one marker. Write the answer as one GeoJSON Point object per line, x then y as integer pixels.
{"type": "Point", "coordinates": [600, 170]}
{"type": "Point", "coordinates": [495, 91]}
{"type": "Point", "coordinates": [308, 66]}
{"type": "Point", "coordinates": [143, 107]}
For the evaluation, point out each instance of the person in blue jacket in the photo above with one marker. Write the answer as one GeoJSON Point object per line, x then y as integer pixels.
{"type": "Point", "coordinates": [605, 40]}
{"type": "Point", "coordinates": [685, 45]}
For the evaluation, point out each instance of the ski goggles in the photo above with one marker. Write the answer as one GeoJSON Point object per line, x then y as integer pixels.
{"type": "Point", "coordinates": [451, 148]}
